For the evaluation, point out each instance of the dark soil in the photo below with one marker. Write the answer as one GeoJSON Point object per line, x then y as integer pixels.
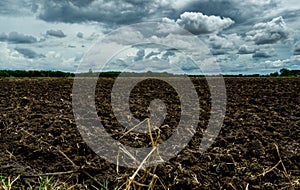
{"type": "Point", "coordinates": [258, 146]}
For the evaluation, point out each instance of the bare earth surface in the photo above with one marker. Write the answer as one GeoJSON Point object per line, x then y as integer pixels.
{"type": "Point", "coordinates": [258, 146]}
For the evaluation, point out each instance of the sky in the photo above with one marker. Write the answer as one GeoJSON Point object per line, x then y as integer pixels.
{"type": "Point", "coordinates": [247, 37]}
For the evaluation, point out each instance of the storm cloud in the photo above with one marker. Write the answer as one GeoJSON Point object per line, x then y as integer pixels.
{"type": "Point", "coordinates": [105, 11]}
{"type": "Point", "coordinates": [132, 11]}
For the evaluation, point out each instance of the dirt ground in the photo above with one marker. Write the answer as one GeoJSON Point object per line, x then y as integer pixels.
{"type": "Point", "coordinates": [258, 146]}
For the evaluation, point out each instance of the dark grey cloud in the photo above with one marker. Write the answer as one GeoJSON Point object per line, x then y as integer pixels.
{"type": "Point", "coordinates": [105, 11]}
{"type": "Point", "coordinates": [18, 38]}
{"type": "Point", "coordinates": [139, 55]}
{"type": "Point", "coordinates": [189, 66]}
{"type": "Point", "coordinates": [79, 35]}
{"type": "Point", "coordinates": [81, 3]}
{"type": "Point", "coordinates": [239, 11]}
{"type": "Point", "coordinates": [28, 53]}
{"type": "Point", "coordinates": [269, 32]}
{"type": "Point", "coordinates": [221, 8]}
{"type": "Point", "coordinates": [263, 54]}
{"type": "Point", "coordinates": [297, 49]}
{"type": "Point", "coordinates": [151, 54]}
{"type": "Point", "coordinates": [3, 37]}
{"type": "Point", "coordinates": [167, 54]}
{"type": "Point", "coordinates": [131, 11]}
{"type": "Point", "coordinates": [56, 33]}
{"type": "Point", "coordinates": [218, 52]}
{"type": "Point", "coordinates": [244, 49]}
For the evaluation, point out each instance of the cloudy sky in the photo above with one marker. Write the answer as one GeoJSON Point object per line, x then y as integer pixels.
{"type": "Point", "coordinates": [250, 36]}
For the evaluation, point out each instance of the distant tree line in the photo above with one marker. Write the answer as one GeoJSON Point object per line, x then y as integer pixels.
{"type": "Point", "coordinates": [22, 73]}
{"type": "Point", "coordinates": [286, 73]}
{"type": "Point", "coordinates": [243, 75]}
{"type": "Point", "coordinates": [124, 74]}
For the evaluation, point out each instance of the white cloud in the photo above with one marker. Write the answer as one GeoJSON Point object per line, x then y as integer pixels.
{"type": "Point", "coordinates": [11, 59]}
{"type": "Point", "coordinates": [224, 44]}
{"type": "Point", "coordinates": [218, 42]}
{"type": "Point", "coordinates": [269, 32]}
{"type": "Point", "coordinates": [53, 55]}
{"type": "Point", "coordinates": [175, 4]}
{"type": "Point", "coordinates": [290, 63]}
{"type": "Point", "coordinates": [276, 63]}
{"type": "Point", "coordinates": [198, 23]}
{"type": "Point", "coordinates": [125, 36]}
{"type": "Point", "coordinates": [229, 42]}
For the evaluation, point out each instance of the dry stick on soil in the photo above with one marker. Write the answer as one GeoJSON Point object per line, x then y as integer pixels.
{"type": "Point", "coordinates": [285, 172]}
{"type": "Point", "coordinates": [133, 128]}
{"type": "Point", "coordinates": [154, 144]}
{"type": "Point", "coordinates": [63, 154]}
{"type": "Point", "coordinates": [127, 153]}
{"type": "Point", "coordinates": [150, 133]}
{"type": "Point", "coordinates": [10, 154]}
{"type": "Point", "coordinates": [267, 171]}
{"type": "Point", "coordinates": [232, 186]}
{"type": "Point", "coordinates": [140, 166]}
{"type": "Point", "coordinates": [118, 156]}
{"type": "Point", "coordinates": [274, 167]}
{"type": "Point", "coordinates": [146, 172]}
{"type": "Point", "coordinates": [247, 186]}
{"type": "Point", "coordinates": [52, 174]}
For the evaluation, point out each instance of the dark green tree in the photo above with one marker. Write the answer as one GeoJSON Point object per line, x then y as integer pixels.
{"type": "Point", "coordinates": [275, 74]}
{"type": "Point", "coordinates": [285, 72]}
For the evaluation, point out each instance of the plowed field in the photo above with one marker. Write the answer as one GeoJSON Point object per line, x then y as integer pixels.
{"type": "Point", "coordinates": [258, 146]}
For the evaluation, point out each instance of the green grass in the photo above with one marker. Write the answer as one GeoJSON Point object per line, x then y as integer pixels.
{"type": "Point", "coordinates": [43, 183]}
{"type": "Point", "coordinates": [7, 183]}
